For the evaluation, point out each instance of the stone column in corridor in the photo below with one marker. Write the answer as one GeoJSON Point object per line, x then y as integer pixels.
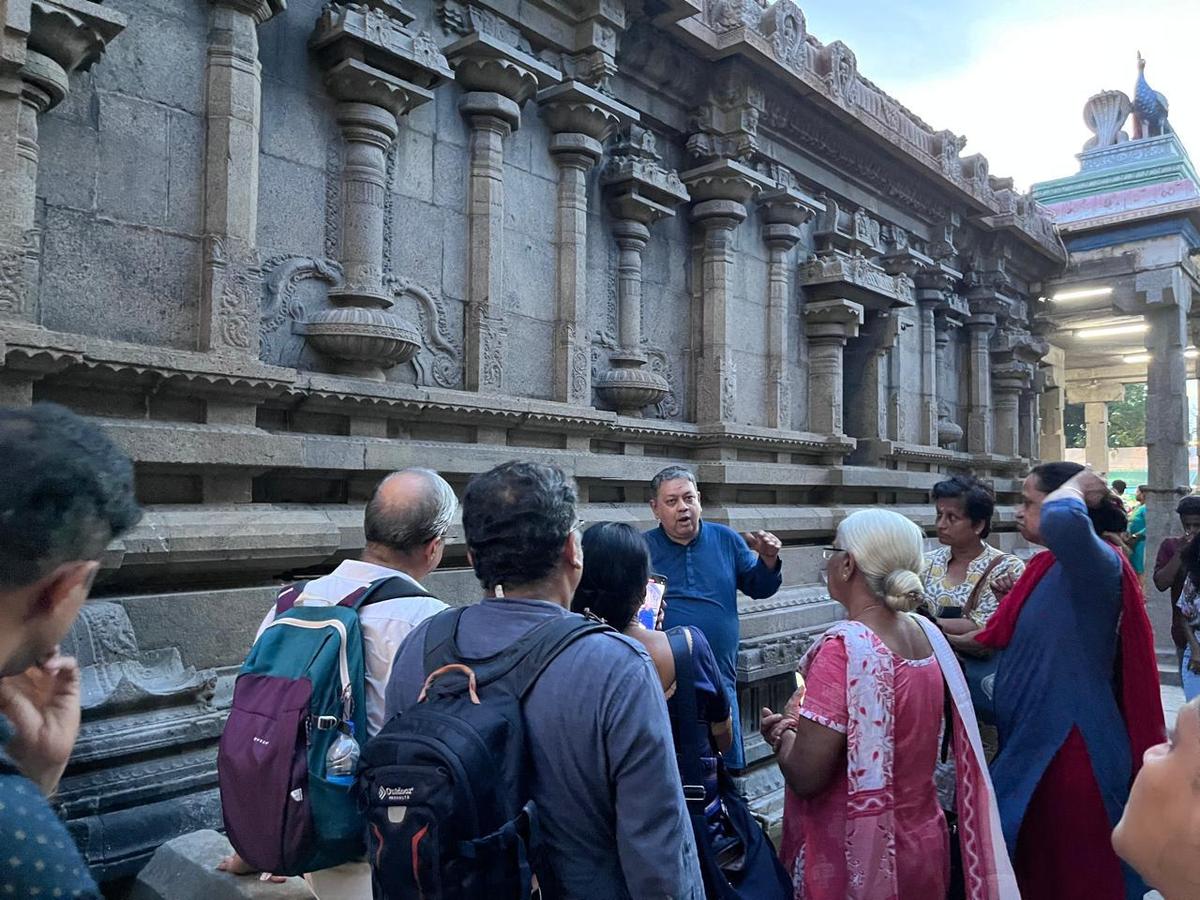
{"type": "Point", "coordinates": [948, 430]}
{"type": "Point", "coordinates": [1095, 416]}
{"type": "Point", "coordinates": [784, 211]}
{"type": "Point", "coordinates": [1166, 305]}
{"type": "Point", "coordinates": [830, 323]}
{"type": "Point", "coordinates": [1053, 440]}
{"type": "Point", "coordinates": [640, 191]}
{"type": "Point", "coordinates": [233, 96]}
{"type": "Point", "coordinates": [497, 79]}
{"type": "Point", "coordinates": [360, 335]}
{"type": "Point", "coordinates": [62, 38]}
{"type": "Point", "coordinates": [580, 118]}
{"type": "Point", "coordinates": [720, 191]}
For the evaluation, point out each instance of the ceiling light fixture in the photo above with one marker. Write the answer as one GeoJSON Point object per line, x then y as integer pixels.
{"type": "Point", "coordinates": [1082, 294]}
{"type": "Point", "coordinates": [1135, 359]}
{"type": "Point", "coordinates": [1112, 330]}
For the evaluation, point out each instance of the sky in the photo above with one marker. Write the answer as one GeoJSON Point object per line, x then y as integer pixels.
{"type": "Point", "coordinates": [1013, 75]}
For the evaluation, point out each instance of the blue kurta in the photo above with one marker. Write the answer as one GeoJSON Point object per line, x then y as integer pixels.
{"type": "Point", "coordinates": [1058, 672]}
{"type": "Point", "coordinates": [703, 579]}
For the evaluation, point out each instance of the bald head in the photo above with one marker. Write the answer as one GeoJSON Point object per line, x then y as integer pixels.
{"type": "Point", "coordinates": [409, 509]}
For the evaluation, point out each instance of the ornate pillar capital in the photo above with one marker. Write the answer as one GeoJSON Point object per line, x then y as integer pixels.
{"type": "Point", "coordinates": [260, 10]}
{"type": "Point", "coordinates": [73, 33]}
{"type": "Point", "coordinates": [638, 186]}
{"type": "Point", "coordinates": [784, 210]}
{"type": "Point", "coordinates": [497, 78]}
{"type": "Point", "coordinates": [581, 118]}
{"type": "Point", "coordinates": [721, 189]}
{"type": "Point", "coordinates": [833, 321]}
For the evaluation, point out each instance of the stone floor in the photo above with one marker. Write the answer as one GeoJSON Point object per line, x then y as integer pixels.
{"type": "Point", "coordinates": [1172, 698]}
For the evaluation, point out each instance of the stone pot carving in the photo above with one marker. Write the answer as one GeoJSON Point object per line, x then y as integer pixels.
{"type": "Point", "coordinates": [629, 387]}
{"type": "Point", "coordinates": [362, 341]}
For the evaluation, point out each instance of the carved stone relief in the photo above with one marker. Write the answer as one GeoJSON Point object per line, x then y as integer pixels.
{"type": "Point", "coordinates": [284, 303]}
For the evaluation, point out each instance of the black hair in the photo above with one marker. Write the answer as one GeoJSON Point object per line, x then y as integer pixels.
{"type": "Point", "coordinates": [1189, 506]}
{"type": "Point", "coordinates": [1109, 516]}
{"type": "Point", "coordinates": [616, 565]}
{"type": "Point", "coordinates": [67, 491]}
{"type": "Point", "coordinates": [1119, 486]}
{"type": "Point", "coordinates": [516, 518]}
{"type": "Point", "coordinates": [978, 501]}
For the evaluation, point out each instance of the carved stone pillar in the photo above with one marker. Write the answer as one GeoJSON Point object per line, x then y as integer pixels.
{"type": "Point", "coordinates": [497, 79]}
{"type": "Point", "coordinates": [232, 273]}
{"type": "Point", "coordinates": [360, 335]}
{"type": "Point", "coordinates": [979, 411]}
{"type": "Point", "coordinates": [640, 192]}
{"type": "Point", "coordinates": [830, 323]}
{"type": "Point", "coordinates": [719, 191]}
{"type": "Point", "coordinates": [64, 37]}
{"type": "Point", "coordinates": [580, 119]}
{"type": "Point", "coordinates": [784, 211]}
{"type": "Point", "coordinates": [1009, 381]}
{"type": "Point", "coordinates": [1095, 415]}
{"type": "Point", "coordinates": [867, 360]}
{"type": "Point", "coordinates": [948, 430]}
{"type": "Point", "coordinates": [933, 285]}
{"type": "Point", "coordinates": [1030, 415]}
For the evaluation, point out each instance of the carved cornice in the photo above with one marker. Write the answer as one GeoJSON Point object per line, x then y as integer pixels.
{"type": "Point", "coordinates": [378, 38]}
{"type": "Point", "coordinates": [638, 186]}
{"type": "Point", "coordinates": [774, 37]}
{"type": "Point", "coordinates": [833, 274]}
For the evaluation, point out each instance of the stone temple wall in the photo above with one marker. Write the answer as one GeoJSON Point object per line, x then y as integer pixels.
{"type": "Point", "coordinates": [279, 249]}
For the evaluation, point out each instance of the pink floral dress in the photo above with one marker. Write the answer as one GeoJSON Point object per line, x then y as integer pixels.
{"type": "Point", "coordinates": [833, 858]}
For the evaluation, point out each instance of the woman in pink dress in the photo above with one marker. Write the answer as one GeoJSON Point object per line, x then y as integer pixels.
{"type": "Point", "coordinates": [858, 742]}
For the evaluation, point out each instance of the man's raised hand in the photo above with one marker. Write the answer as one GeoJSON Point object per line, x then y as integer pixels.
{"type": "Point", "coordinates": [765, 544]}
{"type": "Point", "coordinates": [42, 703]}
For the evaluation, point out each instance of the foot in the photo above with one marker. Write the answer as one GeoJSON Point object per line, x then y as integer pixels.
{"type": "Point", "coordinates": [235, 865]}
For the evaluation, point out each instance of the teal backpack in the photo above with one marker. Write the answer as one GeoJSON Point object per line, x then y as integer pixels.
{"type": "Point", "coordinates": [301, 686]}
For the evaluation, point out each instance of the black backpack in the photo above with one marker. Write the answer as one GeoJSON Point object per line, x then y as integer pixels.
{"type": "Point", "coordinates": [445, 784]}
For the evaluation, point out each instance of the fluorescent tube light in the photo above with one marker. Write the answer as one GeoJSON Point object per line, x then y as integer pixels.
{"type": "Point", "coordinates": [1082, 294]}
{"type": "Point", "coordinates": [1135, 359]}
{"type": "Point", "coordinates": [1112, 330]}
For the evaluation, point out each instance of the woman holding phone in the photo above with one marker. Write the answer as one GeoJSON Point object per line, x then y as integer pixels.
{"type": "Point", "coordinates": [613, 588]}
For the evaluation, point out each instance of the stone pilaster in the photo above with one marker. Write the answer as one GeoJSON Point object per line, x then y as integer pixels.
{"type": "Point", "coordinates": [580, 118]}
{"type": "Point", "coordinates": [63, 37]}
{"type": "Point", "coordinates": [979, 410]}
{"type": "Point", "coordinates": [948, 430]}
{"type": "Point", "coordinates": [720, 191]}
{"type": "Point", "coordinates": [360, 335]}
{"type": "Point", "coordinates": [1052, 443]}
{"type": "Point", "coordinates": [233, 96]}
{"type": "Point", "coordinates": [868, 415]}
{"type": "Point", "coordinates": [830, 323]}
{"type": "Point", "coordinates": [1009, 381]}
{"type": "Point", "coordinates": [640, 191]}
{"type": "Point", "coordinates": [497, 79]}
{"type": "Point", "coordinates": [784, 211]}
{"type": "Point", "coordinates": [934, 285]}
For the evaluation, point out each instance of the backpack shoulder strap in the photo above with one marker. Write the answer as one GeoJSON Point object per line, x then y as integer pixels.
{"type": "Point", "coordinates": [287, 597]}
{"type": "Point", "coordinates": [534, 652]}
{"type": "Point", "coordinates": [393, 587]}
{"type": "Point", "coordinates": [440, 647]}
{"type": "Point", "coordinates": [690, 742]}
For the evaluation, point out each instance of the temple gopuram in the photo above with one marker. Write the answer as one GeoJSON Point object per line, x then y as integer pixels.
{"type": "Point", "coordinates": [279, 248]}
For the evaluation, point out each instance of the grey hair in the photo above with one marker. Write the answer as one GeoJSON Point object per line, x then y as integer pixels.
{"type": "Point", "coordinates": [887, 548]}
{"type": "Point", "coordinates": [670, 473]}
{"type": "Point", "coordinates": [404, 528]}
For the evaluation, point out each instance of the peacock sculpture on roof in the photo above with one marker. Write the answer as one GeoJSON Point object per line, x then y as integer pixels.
{"type": "Point", "coordinates": [1149, 107]}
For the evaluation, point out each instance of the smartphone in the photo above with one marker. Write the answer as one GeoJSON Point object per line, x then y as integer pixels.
{"type": "Point", "coordinates": [656, 588]}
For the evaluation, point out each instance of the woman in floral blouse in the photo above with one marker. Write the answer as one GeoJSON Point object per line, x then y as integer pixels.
{"type": "Point", "coordinates": [953, 572]}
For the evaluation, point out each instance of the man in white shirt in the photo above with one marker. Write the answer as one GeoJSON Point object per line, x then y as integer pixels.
{"type": "Point", "coordinates": [405, 526]}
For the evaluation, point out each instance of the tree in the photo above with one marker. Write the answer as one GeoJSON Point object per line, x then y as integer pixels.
{"type": "Point", "coordinates": [1127, 418]}
{"type": "Point", "coordinates": [1074, 426]}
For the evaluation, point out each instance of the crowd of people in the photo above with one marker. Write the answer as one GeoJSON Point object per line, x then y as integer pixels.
{"type": "Point", "coordinates": [977, 725]}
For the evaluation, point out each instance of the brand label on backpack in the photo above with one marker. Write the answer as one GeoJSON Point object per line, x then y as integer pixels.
{"type": "Point", "coordinates": [396, 794]}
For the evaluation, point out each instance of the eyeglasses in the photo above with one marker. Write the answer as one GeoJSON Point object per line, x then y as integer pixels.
{"type": "Point", "coordinates": [827, 552]}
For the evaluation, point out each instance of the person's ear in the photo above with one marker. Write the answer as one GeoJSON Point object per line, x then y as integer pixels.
{"type": "Point", "coordinates": [67, 586]}
{"type": "Point", "coordinates": [849, 565]}
{"type": "Point", "coordinates": [572, 552]}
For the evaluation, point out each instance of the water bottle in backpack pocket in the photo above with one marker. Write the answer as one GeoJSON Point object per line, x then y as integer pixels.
{"type": "Point", "coordinates": [446, 783]}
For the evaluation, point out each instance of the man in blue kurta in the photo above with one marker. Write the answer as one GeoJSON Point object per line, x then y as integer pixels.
{"type": "Point", "coordinates": [706, 564]}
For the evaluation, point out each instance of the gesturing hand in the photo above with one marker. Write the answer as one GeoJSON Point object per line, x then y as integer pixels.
{"type": "Point", "coordinates": [43, 705]}
{"type": "Point", "coordinates": [765, 544]}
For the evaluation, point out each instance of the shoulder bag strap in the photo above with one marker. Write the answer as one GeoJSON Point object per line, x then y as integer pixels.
{"type": "Point", "coordinates": [973, 600]}
{"type": "Point", "coordinates": [690, 742]}
{"type": "Point", "coordinates": [392, 587]}
{"type": "Point", "coordinates": [287, 597]}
